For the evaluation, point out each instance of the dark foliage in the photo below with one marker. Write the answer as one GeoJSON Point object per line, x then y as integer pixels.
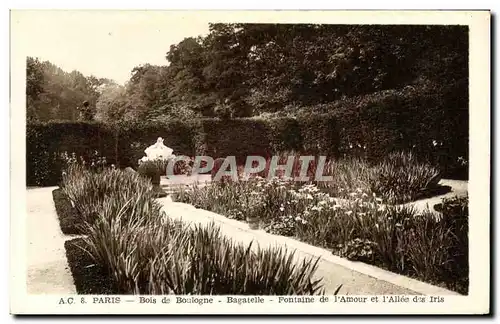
{"type": "Point", "coordinates": [124, 144]}
{"type": "Point", "coordinates": [69, 221]}
{"type": "Point", "coordinates": [90, 278]}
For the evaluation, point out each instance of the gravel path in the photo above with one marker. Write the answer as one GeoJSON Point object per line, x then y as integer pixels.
{"type": "Point", "coordinates": [334, 270]}
{"type": "Point", "coordinates": [458, 188]}
{"type": "Point", "coordinates": [356, 278]}
{"type": "Point", "coordinates": [47, 268]}
{"type": "Point", "coordinates": [48, 271]}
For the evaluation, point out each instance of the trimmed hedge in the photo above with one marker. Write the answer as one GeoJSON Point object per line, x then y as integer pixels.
{"type": "Point", "coordinates": [432, 123]}
{"type": "Point", "coordinates": [265, 137]}
{"type": "Point", "coordinates": [45, 142]}
{"type": "Point", "coordinates": [124, 144]}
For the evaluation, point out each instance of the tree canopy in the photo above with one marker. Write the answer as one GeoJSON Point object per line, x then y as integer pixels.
{"type": "Point", "coordinates": [52, 93]}
{"type": "Point", "coordinates": [251, 69]}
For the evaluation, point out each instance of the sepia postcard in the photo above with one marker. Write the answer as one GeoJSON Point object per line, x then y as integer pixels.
{"type": "Point", "coordinates": [250, 162]}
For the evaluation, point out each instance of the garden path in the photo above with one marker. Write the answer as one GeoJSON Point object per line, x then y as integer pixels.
{"type": "Point", "coordinates": [47, 267]}
{"type": "Point", "coordinates": [356, 278]}
{"type": "Point", "coordinates": [48, 271]}
{"type": "Point", "coordinates": [458, 188]}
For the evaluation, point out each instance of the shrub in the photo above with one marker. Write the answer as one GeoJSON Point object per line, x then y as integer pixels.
{"type": "Point", "coordinates": [114, 235]}
{"type": "Point", "coordinates": [370, 127]}
{"type": "Point", "coordinates": [146, 258]}
{"type": "Point", "coordinates": [401, 178]}
{"type": "Point", "coordinates": [215, 265]}
{"type": "Point", "coordinates": [456, 218]}
{"type": "Point", "coordinates": [152, 168]}
{"type": "Point", "coordinates": [68, 220]}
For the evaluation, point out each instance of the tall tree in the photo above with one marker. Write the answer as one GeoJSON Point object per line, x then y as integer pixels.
{"type": "Point", "coordinates": [52, 93]}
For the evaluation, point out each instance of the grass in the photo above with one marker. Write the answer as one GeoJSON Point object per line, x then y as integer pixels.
{"type": "Point", "coordinates": [360, 227]}
{"type": "Point", "coordinates": [68, 219]}
{"type": "Point", "coordinates": [140, 251]}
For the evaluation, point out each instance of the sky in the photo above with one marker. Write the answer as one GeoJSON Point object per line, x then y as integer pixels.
{"type": "Point", "coordinates": [110, 43]}
{"type": "Point", "coordinates": [107, 44]}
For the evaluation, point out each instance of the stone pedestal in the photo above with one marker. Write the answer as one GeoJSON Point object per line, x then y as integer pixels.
{"type": "Point", "coordinates": [155, 180]}
{"type": "Point", "coordinates": [157, 152]}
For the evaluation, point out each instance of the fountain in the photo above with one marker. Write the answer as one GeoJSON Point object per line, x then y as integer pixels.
{"type": "Point", "coordinates": [158, 151]}
{"type": "Point", "coordinates": [155, 161]}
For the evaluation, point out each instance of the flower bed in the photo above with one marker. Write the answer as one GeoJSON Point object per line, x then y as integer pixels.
{"type": "Point", "coordinates": [359, 227]}
{"type": "Point", "coordinates": [68, 219]}
{"type": "Point", "coordinates": [141, 252]}
{"type": "Point", "coordinates": [399, 178]}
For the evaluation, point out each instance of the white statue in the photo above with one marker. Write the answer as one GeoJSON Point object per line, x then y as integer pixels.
{"type": "Point", "coordinates": [158, 151]}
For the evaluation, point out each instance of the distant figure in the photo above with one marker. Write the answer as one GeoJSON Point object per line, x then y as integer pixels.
{"type": "Point", "coordinates": [86, 113]}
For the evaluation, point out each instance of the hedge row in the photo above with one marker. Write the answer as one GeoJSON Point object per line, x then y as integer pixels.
{"type": "Point", "coordinates": [435, 127]}
{"type": "Point", "coordinates": [124, 144]}
{"type": "Point", "coordinates": [431, 121]}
